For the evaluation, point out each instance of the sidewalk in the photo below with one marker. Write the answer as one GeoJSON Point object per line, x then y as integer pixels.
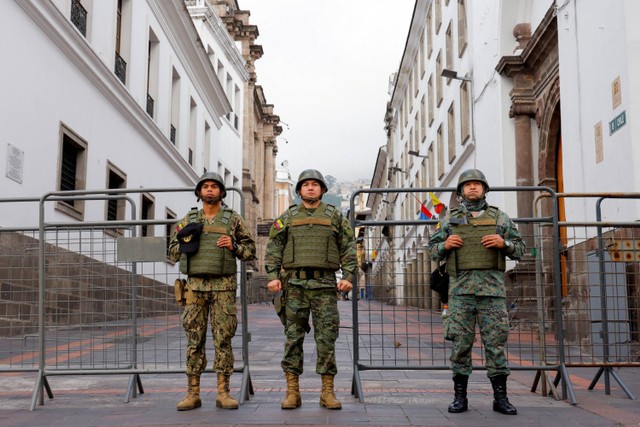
{"type": "Point", "coordinates": [391, 398]}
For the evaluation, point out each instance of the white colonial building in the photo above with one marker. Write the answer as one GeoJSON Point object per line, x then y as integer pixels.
{"type": "Point", "coordinates": [116, 94]}
{"type": "Point", "coordinates": [533, 93]}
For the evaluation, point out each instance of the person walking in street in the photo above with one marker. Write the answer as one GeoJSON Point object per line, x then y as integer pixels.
{"type": "Point", "coordinates": [307, 245]}
{"type": "Point", "coordinates": [207, 242]}
{"type": "Point", "coordinates": [475, 238]}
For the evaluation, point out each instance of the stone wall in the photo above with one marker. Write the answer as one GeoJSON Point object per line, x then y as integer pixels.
{"type": "Point", "coordinates": [79, 290]}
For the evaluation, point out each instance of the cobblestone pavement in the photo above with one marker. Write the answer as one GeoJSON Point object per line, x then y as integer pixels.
{"type": "Point", "coordinates": [390, 397]}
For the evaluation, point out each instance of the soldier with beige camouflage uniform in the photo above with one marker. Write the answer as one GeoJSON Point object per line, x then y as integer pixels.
{"type": "Point", "coordinates": [307, 245]}
{"type": "Point", "coordinates": [210, 292]}
{"type": "Point", "coordinates": [475, 238]}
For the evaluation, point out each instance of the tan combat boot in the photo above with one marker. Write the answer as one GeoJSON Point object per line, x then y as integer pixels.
{"type": "Point", "coordinates": [292, 400]}
{"type": "Point", "coordinates": [192, 399]}
{"type": "Point", "coordinates": [224, 399]}
{"type": "Point", "coordinates": [327, 396]}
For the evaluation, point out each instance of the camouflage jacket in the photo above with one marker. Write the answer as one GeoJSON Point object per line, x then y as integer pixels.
{"type": "Point", "coordinates": [477, 282]}
{"type": "Point", "coordinates": [246, 251]}
{"type": "Point", "coordinates": [345, 239]}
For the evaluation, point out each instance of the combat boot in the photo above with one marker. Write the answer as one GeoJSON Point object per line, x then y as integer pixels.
{"type": "Point", "coordinates": [292, 399]}
{"type": "Point", "coordinates": [500, 402]}
{"type": "Point", "coordinates": [192, 399]}
{"type": "Point", "coordinates": [327, 396]}
{"type": "Point", "coordinates": [224, 399]}
{"type": "Point", "coordinates": [460, 403]}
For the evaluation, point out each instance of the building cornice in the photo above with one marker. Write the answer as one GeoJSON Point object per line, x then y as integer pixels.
{"type": "Point", "coordinates": [536, 51]}
{"type": "Point", "coordinates": [208, 14]}
{"type": "Point", "coordinates": [534, 68]}
{"type": "Point", "coordinates": [75, 47]}
{"type": "Point", "coordinates": [183, 36]}
{"type": "Point", "coordinates": [418, 22]}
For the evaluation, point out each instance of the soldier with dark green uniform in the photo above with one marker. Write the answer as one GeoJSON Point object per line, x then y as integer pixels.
{"type": "Point", "coordinates": [307, 245]}
{"type": "Point", "coordinates": [475, 238]}
{"type": "Point", "coordinates": [207, 242]}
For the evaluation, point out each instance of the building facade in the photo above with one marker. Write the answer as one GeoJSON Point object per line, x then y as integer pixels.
{"type": "Point", "coordinates": [260, 128]}
{"type": "Point", "coordinates": [115, 94]}
{"type": "Point", "coordinates": [529, 93]}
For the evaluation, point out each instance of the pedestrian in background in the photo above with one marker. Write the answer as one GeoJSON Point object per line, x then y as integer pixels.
{"type": "Point", "coordinates": [474, 238]}
{"type": "Point", "coordinates": [307, 245]}
{"type": "Point", "coordinates": [207, 242]}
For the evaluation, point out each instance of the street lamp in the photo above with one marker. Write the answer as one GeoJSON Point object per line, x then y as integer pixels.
{"type": "Point", "coordinates": [450, 74]}
{"type": "Point", "coordinates": [395, 169]}
{"type": "Point", "coordinates": [416, 154]}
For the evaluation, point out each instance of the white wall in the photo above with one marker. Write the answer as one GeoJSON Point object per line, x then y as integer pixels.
{"type": "Point", "coordinates": [56, 76]}
{"type": "Point", "coordinates": [595, 49]}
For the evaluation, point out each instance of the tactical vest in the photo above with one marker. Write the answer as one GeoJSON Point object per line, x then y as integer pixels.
{"type": "Point", "coordinates": [473, 255]}
{"type": "Point", "coordinates": [312, 240]}
{"type": "Point", "coordinates": [210, 259]}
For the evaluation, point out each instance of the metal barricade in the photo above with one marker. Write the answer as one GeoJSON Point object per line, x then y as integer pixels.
{"type": "Point", "coordinates": [92, 298]}
{"type": "Point", "coordinates": [19, 350]}
{"type": "Point", "coordinates": [397, 321]}
{"type": "Point", "coordinates": [599, 274]}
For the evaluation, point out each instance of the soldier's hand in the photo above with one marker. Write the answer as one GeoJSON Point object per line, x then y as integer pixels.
{"type": "Point", "coordinates": [225, 242]}
{"type": "Point", "coordinates": [452, 242]}
{"type": "Point", "coordinates": [274, 285]}
{"type": "Point", "coordinates": [492, 241]}
{"type": "Point", "coordinates": [344, 285]}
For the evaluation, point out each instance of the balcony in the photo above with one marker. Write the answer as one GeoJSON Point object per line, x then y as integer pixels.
{"type": "Point", "coordinates": [120, 69]}
{"type": "Point", "coordinates": [172, 135]}
{"type": "Point", "coordinates": [150, 103]}
{"type": "Point", "coordinates": [79, 16]}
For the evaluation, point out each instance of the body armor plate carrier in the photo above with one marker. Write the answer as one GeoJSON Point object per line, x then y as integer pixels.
{"type": "Point", "coordinates": [312, 241]}
{"type": "Point", "coordinates": [473, 255]}
{"type": "Point", "coordinates": [210, 260]}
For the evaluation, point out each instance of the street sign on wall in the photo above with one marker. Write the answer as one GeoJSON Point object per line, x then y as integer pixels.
{"type": "Point", "coordinates": [618, 122]}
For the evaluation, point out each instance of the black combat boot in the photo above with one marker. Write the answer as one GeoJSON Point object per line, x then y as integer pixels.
{"type": "Point", "coordinates": [500, 402]}
{"type": "Point", "coordinates": [459, 403]}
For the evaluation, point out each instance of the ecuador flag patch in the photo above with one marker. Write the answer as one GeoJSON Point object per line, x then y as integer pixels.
{"type": "Point", "coordinates": [278, 225]}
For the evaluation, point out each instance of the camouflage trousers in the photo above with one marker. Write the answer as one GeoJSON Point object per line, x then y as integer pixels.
{"type": "Point", "coordinates": [221, 305]}
{"type": "Point", "coordinates": [322, 304]}
{"type": "Point", "coordinates": [459, 327]}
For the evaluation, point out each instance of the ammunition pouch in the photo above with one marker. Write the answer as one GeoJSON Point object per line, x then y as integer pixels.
{"type": "Point", "coordinates": [191, 297]}
{"type": "Point", "coordinates": [280, 306]}
{"type": "Point", "coordinates": [179, 288]}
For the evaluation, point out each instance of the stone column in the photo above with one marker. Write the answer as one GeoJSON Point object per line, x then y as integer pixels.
{"type": "Point", "coordinates": [524, 173]}
{"type": "Point", "coordinates": [269, 178]}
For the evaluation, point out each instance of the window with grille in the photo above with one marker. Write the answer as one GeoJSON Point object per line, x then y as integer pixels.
{"type": "Point", "coordinates": [115, 209]}
{"type": "Point", "coordinates": [147, 211]}
{"type": "Point", "coordinates": [71, 170]}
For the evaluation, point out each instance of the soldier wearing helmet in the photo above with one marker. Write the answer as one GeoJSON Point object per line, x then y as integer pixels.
{"type": "Point", "coordinates": [307, 245]}
{"type": "Point", "coordinates": [207, 243]}
{"type": "Point", "coordinates": [474, 239]}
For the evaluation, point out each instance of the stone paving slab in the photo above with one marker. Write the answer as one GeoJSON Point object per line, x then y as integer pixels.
{"type": "Point", "coordinates": [390, 398]}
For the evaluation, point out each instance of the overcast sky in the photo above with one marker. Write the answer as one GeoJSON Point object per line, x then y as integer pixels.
{"type": "Point", "coordinates": [326, 68]}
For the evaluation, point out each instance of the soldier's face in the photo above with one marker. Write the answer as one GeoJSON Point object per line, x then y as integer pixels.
{"type": "Point", "coordinates": [310, 190]}
{"type": "Point", "coordinates": [473, 190]}
{"type": "Point", "coordinates": [210, 192]}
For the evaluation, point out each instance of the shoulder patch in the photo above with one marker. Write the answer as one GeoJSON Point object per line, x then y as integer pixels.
{"type": "Point", "coordinates": [278, 225]}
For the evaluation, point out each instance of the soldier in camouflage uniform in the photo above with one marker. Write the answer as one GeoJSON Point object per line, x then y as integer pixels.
{"type": "Point", "coordinates": [307, 245]}
{"type": "Point", "coordinates": [211, 286]}
{"type": "Point", "coordinates": [475, 238]}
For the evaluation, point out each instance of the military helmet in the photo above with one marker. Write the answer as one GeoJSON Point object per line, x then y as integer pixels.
{"type": "Point", "coordinates": [311, 174]}
{"type": "Point", "coordinates": [211, 176]}
{"type": "Point", "coordinates": [472, 175]}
